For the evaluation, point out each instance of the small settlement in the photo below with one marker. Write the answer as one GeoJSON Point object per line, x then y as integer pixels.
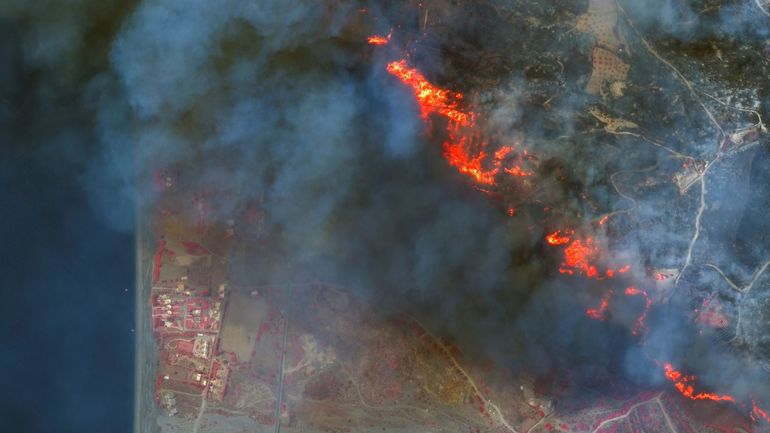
{"type": "Point", "coordinates": [186, 322]}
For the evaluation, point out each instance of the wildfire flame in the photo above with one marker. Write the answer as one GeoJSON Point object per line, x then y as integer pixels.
{"type": "Point", "coordinates": [379, 40]}
{"type": "Point", "coordinates": [757, 413]}
{"type": "Point", "coordinates": [639, 325]}
{"type": "Point", "coordinates": [577, 256]}
{"type": "Point", "coordinates": [557, 238]}
{"type": "Point", "coordinates": [683, 384]}
{"type": "Point", "coordinates": [611, 272]}
{"type": "Point", "coordinates": [457, 156]}
{"type": "Point", "coordinates": [598, 313]}
{"type": "Point", "coordinates": [466, 150]}
{"type": "Point", "coordinates": [432, 99]}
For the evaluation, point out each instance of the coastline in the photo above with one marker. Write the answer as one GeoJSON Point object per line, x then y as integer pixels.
{"type": "Point", "coordinates": [145, 411]}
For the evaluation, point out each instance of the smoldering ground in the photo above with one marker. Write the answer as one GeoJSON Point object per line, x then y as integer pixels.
{"type": "Point", "coordinates": [285, 102]}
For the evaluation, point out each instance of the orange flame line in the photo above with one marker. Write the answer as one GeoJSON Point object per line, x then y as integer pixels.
{"type": "Point", "coordinates": [430, 98]}
{"type": "Point", "coordinates": [577, 256]}
{"type": "Point", "coordinates": [598, 313]}
{"type": "Point", "coordinates": [758, 413]}
{"type": "Point", "coordinates": [683, 384]}
{"type": "Point", "coordinates": [556, 238]}
{"type": "Point", "coordinates": [378, 40]}
{"type": "Point", "coordinates": [639, 325]}
{"type": "Point", "coordinates": [464, 149]}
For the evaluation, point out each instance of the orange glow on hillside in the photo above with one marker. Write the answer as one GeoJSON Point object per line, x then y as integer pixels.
{"type": "Point", "coordinates": [639, 325]}
{"type": "Point", "coordinates": [464, 149]}
{"type": "Point", "coordinates": [598, 313]}
{"type": "Point", "coordinates": [432, 99]}
{"type": "Point", "coordinates": [457, 156]}
{"type": "Point", "coordinates": [557, 238]}
{"type": "Point", "coordinates": [502, 152]}
{"type": "Point", "coordinates": [468, 150]}
{"type": "Point", "coordinates": [577, 257]}
{"type": "Point", "coordinates": [517, 171]}
{"type": "Point", "coordinates": [757, 413]}
{"type": "Point", "coordinates": [683, 384]}
{"type": "Point", "coordinates": [378, 40]}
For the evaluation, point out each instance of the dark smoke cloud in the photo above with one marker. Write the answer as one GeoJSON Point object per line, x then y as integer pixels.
{"type": "Point", "coordinates": [282, 100]}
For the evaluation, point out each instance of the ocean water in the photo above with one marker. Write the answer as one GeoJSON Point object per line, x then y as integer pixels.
{"type": "Point", "coordinates": [66, 274]}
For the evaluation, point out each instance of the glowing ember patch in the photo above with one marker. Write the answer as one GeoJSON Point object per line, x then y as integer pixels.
{"type": "Point", "coordinates": [577, 256]}
{"type": "Point", "coordinates": [683, 384]}
{"type": "Point", "coordinates": [598, 313]}
{"type": "Point", "coordinates": [639, 325]}
{"type": "Point", "coordinates": [518, 171]}
{"type": "Point", "coordinates": [502, 152]}
{"type": "Point", "coordinates": [757, 413]}
{"type": "Point", "coordinates": [664, 274]}
{"type": "Point", "coordinates": [467, 150]}
{"type": "Point", "coordinates": [455, 154]}
{"type": "Point", "coordinates": [464, 149]}
{"type": "Point", "coordinates": [557, 238]}
{"type": "Point", "coordinates": [378, 40]}
{"type": "Point", "coordinates": [432, 99]}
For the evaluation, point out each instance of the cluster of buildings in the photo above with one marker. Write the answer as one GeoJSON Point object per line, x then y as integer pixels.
{"type": "Point", "coordinates": [188, 296]}
{"type": "Point", "coordinates": [186, 323]}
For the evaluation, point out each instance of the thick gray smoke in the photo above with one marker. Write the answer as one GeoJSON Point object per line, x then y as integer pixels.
{"type": "Point", "coordinates": [283, 102]}
{"type": "Point", "coordinates": [270, 97]}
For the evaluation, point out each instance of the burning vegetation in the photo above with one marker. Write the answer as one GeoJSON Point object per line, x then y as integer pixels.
{"type": "Point", "coordinates": [684, 384]}
{"type": "Point", "coordinates": [615, 268]}
{"type": "Point", "coordinates": [466, 149]}
{"type": "Point", "coordinates": [469, 151]}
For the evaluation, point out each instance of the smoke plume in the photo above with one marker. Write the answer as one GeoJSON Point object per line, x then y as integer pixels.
{"type": "Point", "coordinates": [284, 103]}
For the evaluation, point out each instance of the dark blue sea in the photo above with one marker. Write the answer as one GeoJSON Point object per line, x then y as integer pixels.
{"type": "Point", "coordinates": [66, 270]}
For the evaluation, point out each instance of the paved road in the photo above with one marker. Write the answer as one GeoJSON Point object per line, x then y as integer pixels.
{"type": "Point", "coordinates": [281, 372]}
